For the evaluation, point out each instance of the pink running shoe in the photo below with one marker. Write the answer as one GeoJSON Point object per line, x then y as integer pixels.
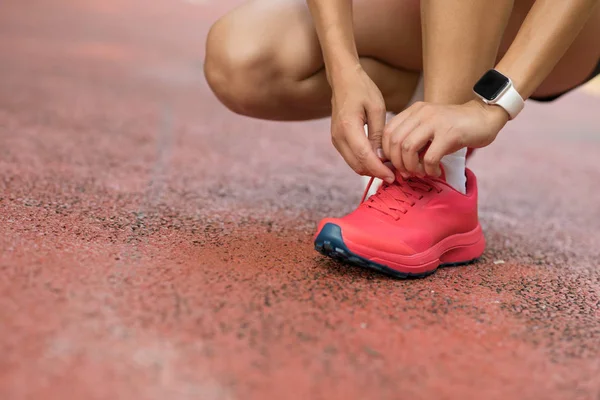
{"type": "Point", "coordinates": [408, 228]}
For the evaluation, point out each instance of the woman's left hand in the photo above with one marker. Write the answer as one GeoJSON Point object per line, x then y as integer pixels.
{"type": "Point", "coordinates": [446, 128]}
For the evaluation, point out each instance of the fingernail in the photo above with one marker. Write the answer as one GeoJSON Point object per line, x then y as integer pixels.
{"type": "Point", "coordinates": [390, 179]}
{"type": "Point", "coordinates": [379, 153]}
{"type": "Point", "coordinates": [405, 175]}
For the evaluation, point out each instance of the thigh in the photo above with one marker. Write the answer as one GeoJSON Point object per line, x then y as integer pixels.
{"type": "Point", "coordinates": [386, 30]}
{"type": "Point", "coordinates": [389, 31]}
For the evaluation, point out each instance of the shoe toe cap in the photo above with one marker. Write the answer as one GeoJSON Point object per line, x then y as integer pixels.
{"type": "Point", "coordinates": [361, 238]}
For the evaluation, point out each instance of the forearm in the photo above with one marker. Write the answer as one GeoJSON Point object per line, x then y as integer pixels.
{"type": "Point", "coordinates": [334, 25]}
{"type": "Point", "coordinates": [546, 34]}
{"type": "Point", "coordinates": [460, 42]}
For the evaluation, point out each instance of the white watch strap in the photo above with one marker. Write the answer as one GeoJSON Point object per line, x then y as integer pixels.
{"type": "Point", "coordinates": [511, 101]}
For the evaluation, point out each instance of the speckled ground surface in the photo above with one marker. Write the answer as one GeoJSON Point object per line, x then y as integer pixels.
{"type": "Point", "coordinates": [155, 246]}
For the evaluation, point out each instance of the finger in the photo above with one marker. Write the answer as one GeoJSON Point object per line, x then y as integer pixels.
{"type": "Point", "coordinates": [376, 123]}
{"type": "Point", "coordinates": [391, 133]}
{"type": "Point", "coordinates": [399, 119]}
{"type": "Point", "coordinates": [396, 141]}
{"type": "Point", "coordinates": [365, 156]}
{"type": "Point", "coordinates": [441, 145]}
{"type": "Point", "coordinates": [389, 130]}
{"type": "Point", "coordinates": [348, 155]}
{"type": "Point", "coordinates": [341, 145]}
{"type": "Point", "coordinates": [412, 146]}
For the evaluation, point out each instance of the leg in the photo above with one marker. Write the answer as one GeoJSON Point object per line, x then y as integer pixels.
{"type": "Point", "coordinates": [263, 59]}
{"type": "Point", "coordinates": [465, 68]}
{"type": "Point", "coordinates": [450, 74]}
{"type": "Point", "coordinates": [577, 63]}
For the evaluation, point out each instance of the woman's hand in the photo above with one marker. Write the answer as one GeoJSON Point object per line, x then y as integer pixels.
{"type": "Point", "coordinates": [357, 100]}
{"type": "Point", "coordinates": [416, 139]}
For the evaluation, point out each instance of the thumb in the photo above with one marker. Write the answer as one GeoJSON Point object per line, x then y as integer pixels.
{"type": "Point", "coordinates": [376, 124]}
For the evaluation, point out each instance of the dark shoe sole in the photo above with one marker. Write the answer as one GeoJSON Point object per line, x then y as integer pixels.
{"type": "Point", "coordinates": [330, 243]}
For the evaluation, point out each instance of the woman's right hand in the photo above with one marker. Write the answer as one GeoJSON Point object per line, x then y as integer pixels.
{"type": "Point", "coordinates": [357, 100]}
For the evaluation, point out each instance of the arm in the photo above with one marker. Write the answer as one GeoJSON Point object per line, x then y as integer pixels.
{"type": "Point", "coordinates": [461, 39]}
{"type": "Point", "coordinates": [356, 99]}
{"type": "Point", "coordinates": [333, 22]}
{"type": "Point", "coordinates": [547, 32]}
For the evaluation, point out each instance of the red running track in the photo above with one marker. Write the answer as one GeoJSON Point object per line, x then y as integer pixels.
{"type": "Point", "coordinates": [155, 246]}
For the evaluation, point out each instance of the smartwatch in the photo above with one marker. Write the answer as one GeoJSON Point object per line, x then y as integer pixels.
{"type": "Point", "coordinates": [496, 89]}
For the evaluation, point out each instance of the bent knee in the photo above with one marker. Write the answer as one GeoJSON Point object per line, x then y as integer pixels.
{"type": "Point", "coordinates": [240, 68]}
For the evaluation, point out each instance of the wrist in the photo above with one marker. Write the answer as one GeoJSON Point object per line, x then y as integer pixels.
{"type": "Point", "coordinates": [339, 73]}
{"type": "Point", "coordinates": [493, 113]}
{"type": "Point", "coordinates": [496, 89]}
{"type": "Point", "coordinates": [520, 77]}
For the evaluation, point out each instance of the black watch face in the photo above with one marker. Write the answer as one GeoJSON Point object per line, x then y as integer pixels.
{"type": "Point", "coordinates": [491, 84]}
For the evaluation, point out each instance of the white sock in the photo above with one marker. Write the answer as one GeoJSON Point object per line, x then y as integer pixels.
{"type": "Point", "coordinates": [454, 169]}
